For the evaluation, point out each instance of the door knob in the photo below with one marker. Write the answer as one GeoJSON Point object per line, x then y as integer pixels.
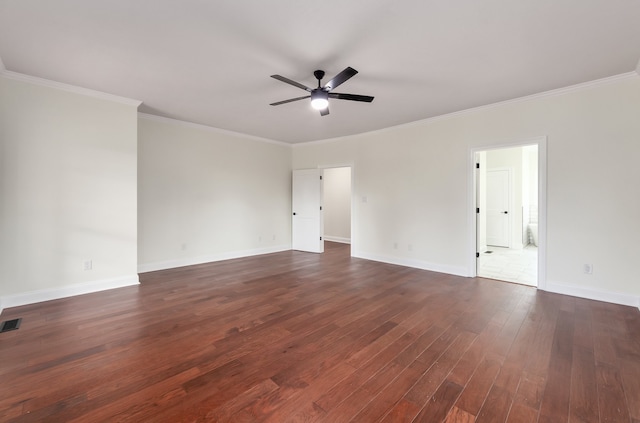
{"type": "Point", "coordinates": [294, 213]}
{"type": "Point", "coordinates": [505, 212]}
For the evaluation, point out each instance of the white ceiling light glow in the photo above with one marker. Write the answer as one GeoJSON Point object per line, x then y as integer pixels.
{"type": "Point", "coordinates": [319, 99]}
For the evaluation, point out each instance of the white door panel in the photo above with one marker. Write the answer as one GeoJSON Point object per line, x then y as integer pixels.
{"type": "Point", "coordinates": [498, 207]}
{"type": "Point", "coordinates": [307, 213]}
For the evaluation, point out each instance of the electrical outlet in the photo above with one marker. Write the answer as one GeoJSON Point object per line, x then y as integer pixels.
{"type": "Point", "coordinates": [88, 265]}
{"type": "Point", "coordinates": [588, 269]}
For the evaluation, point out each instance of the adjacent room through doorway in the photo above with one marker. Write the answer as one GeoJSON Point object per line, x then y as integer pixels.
{"type": "Point", "coordinates": [337, 204]}
{"type": "Point", "coordinates": [507, 214]}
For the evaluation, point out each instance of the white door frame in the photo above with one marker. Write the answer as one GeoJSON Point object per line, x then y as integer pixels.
{"type": "Point", "coordinates": [350, 167]}
{"type": "Point", "coordinates": [541, 142]}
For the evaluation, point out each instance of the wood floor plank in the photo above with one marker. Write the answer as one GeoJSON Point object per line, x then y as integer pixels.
{"type": "Point", "coordinates": [496, 406]}
{"type": "Point", "coordinates": [583, 406]}
{"type": "Point", "coordinates": [479, 386]}
{"type": "Point", "coordinates": [299, 337]}
{"type": "Point", "coordinates": [457, 415]}
{"type": "Point", "coordinates": [441, 367]}
{"type": "Point", "coordinates": [530, 390]}
{"type": "Point", "coordinates": [472, 358]}
{"type": "Point", "coordinates": [521, 413]}
{"type": "Point", "coordinates": [631, 381]}
{"type": "Point", "coordinates": [612, 400]}
{"type": "Point", "coordinates": [290, 401]}
{"type": "Point", "coordinates": [583, 329]}
{"type": "Point", "coordinates": [555, 401]}
{"type": "Point", "coordinates": [240, 408]}
{"type": "Point", "coordinates": [439, 405]}
{"type": "Point", "coordinates": [344, 388]}
{"type": "Point", "coordinates": [403, 412]}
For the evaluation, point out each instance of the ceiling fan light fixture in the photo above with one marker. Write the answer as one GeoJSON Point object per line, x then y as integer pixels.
{"type": "Point", "coordinates": [319, 99]}
{"type": "Point", "coordinates": [320, 96]}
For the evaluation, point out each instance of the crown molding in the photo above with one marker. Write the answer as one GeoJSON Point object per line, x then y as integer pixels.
{"type": "Point", "coordinates": [207, 128]}
{"type": "Point", "coordinates": [67, 87]}
{"type": "Point", "coordinates": [551, 93]}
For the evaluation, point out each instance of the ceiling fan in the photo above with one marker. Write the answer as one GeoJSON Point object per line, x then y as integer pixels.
{"type": "Point", "coordinates": [320, 96]}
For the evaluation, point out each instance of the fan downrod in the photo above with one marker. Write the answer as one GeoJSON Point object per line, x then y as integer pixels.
{"type": "Point", "coordinates": [319, 74]}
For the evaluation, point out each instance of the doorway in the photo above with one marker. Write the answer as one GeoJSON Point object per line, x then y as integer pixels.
{"type": "Point", "coordinates": [321, 205]}
{"type": "Point", "coordinates": [508, 197]}
{"type": "Point", "coordinates": [337, 204]}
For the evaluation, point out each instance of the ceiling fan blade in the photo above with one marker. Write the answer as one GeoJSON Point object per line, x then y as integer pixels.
{"type": "Point", "coordinates": [291, 82]}
{"type": "Point", "coordinates": [353, 97]}
{"type": "Point", "coordinates": [325, 111]}
{"type": "Point", "coordinates": [277, 103]}
{"type": "Point", "coordinates": [340, 78]}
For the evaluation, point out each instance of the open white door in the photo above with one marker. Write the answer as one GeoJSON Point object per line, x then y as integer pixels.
{"type": "Point", "coordinates": [307, 211]}
{"type": "Point", "coordinates": [498, 190]}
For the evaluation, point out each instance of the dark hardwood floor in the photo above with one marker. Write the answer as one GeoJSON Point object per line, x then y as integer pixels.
{"type": "Point", "coordinates": [320, 338]}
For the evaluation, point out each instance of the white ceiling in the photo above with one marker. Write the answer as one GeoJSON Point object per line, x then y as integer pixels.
{"type": "Point", "coordinates": [209, 62]}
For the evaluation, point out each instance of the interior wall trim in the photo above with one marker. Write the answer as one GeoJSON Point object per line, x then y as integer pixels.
{"type": "Point", "coordinates": [593, 294]}
{"type": "Point", "coordinates": [340, 239]}
{"type": "Point", "coordinates": [209, 129]}
{"type": "Point", "coordinates": [416, 264]}
{"type": "Point", "coordinates": [69, 88]}
{"type": "Point", "coordinates": [550, 93]}
{"type": "Point", "coordinates": [16, 300]}
{"type": "Point", "coordinates": [190, 261]}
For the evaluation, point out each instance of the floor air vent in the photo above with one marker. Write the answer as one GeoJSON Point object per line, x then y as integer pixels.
{"type": "Point", "coordinates": [10, 325]}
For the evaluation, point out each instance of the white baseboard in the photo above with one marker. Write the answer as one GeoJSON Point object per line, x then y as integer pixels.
{"type": "Point", "coordinates": [190, 261]}
{"type": "Point", "coordinates": [417, 264]}
{"type": "Point", "coordinates": [574, 291]}
{"type": "Point", "coordinates": [24, 298]}
{"type": "Point", "coordinates": [593, 294]}
{"type": "Point", "coordinates": [337, 239]}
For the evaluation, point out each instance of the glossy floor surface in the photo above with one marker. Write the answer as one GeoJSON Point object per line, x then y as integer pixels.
{"type": "Point", "coordinates": [297, 337]}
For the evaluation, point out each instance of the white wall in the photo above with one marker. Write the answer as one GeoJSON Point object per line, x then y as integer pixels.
{"type": "Point", "coordinates": [415, 182]}
{"type": "Point", "coordinates": [68, 192]}
{"type": "Point", "coordinates": [337, 204]}
{"type": "Point", "coordinates": [69, 189]}
{"type": "Point", "coordinates": [207, 195]}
